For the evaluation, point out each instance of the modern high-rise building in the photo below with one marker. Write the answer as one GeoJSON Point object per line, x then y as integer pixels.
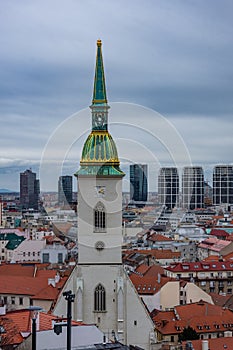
{"type": "Point", "coordinates": [29, 190]}
{"type": "Point", "coordinates": [1, 209]}
{"type": "Point", "coordinates": [138, 182]}
{"type": "Point", "coordinates": [65, 189]}
{"type": "Point", "coordinates": [193, 187]}
{"type": "Point", "coordinates": [223, 184]}
{"type": "Point", "coordinates": [168, 187]}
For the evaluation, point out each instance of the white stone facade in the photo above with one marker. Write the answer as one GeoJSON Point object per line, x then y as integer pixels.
{"type": "Point", "coordinates": [111, 237]}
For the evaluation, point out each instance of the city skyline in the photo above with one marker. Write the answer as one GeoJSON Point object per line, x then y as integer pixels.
{"type": "Point", "coordinates": [156, 186]}
{"type": "Point", "coordinates": [172, 57]}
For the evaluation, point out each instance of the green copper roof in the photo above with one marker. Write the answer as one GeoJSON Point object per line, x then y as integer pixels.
{"type": "Point", "coordinates": [99, 93]}
{"type": "Point", "coordinates": [99, 155]}
{"type": "Point", "coordinates": [13, 240]}
{"type": "Point", "coordinates": [100, 147]}
{"type": "Point", "coordinates": [104, 170]}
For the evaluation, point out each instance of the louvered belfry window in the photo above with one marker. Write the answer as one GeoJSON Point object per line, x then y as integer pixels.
{"type": "Point", "coordinates": [99, 218]}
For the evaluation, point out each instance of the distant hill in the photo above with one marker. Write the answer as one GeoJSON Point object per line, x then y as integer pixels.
{"type": "Point", "coordinates": [5, 190]}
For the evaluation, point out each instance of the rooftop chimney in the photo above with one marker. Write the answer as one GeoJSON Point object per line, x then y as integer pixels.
{"type": "Point", "coordinates": [51, 281]}
{"type": "Point", "coordinates": [205, 345]}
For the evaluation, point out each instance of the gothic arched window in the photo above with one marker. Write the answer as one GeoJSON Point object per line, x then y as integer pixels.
{"type": "Point", "coordinates": [100, 298]}
{"type": "Point", "coordinates": [99, 218]}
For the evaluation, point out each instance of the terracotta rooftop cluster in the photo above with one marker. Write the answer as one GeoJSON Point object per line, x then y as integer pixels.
{"type": "Point", "coordinates": [148, 279]}
{"type": "Point", "coordinates": [16, 326]}
{"type": "Point", "coordinates": [202, 317]}
{"type": "Point", "coordinates": [37, 281]}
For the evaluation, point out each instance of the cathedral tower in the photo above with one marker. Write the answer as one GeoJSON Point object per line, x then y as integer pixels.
{"type": "Point", "coordinates": [99, 184]}
{"type": "Point", "coordinates": [104, 293]}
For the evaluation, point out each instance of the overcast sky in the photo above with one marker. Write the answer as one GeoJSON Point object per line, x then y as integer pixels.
{"type": "Point", "coordinates": [171, 56]}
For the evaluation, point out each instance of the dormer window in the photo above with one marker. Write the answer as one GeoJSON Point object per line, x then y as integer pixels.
{"type": "Point", "coordinates": [206, 266]}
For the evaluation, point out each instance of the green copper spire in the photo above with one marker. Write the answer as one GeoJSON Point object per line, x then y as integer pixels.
{"type": "Point", "coordinates": [99, 155]}
{"type": "Point", "coordinates": [99, 93]}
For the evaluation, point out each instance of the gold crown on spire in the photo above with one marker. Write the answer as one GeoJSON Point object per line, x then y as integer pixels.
{"type": "Point", "coordinates": [99, 43]}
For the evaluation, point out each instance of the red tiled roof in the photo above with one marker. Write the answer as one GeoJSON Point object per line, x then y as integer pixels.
{"type": "Point", "coordinates": [219, 299]}
{"type": "Point", "coordinates": [16, 270]}
{"type": "Point", "coordinates": [166, 254]}
{"type": "Point", "coordinates": [150, 271]}
{"type": "Point", "coordinates": [157, 237]}
{"type": "Point", "coordinates": [46, 273]}
{"type": "Point", "coordinates": [219, 233]}
{"type": "Point", "coordinates": [12, 335]}
{"type": "Point", "coordinates": [154, 270]}
{"type": "Point", "coordinates": [224, 343]}
{"type": "Point", "coordinates": [47, 293]}
{"type": "Point", "coordinates": [200, 309]}
{"type": "Point", "coordinates": [201, 316]}
{"type": "Point", "coordinates": [158, 253]}
{"type": "Point", "coordinates": [212, 258]}
{"type": "Point", "coordinates": [142, 269]}
{"type": "Point", "coordinates": [22, 320]}
{"type": "Point", "coordinates": [201, 266]}
{"type": "Point", "coordinates": [25, 269]}
{"type": "Point", "coordinates": [147, 284]}
{"type": "Point", "coordinates": [151, 281]}
{"type": "Point", "coordinates": [36, 287]}
{"type": "Point", "coordinates": [51, 239]}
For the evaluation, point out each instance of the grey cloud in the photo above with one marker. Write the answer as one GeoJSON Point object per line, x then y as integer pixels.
{"type": "Point", "coordinates": [172, 56]}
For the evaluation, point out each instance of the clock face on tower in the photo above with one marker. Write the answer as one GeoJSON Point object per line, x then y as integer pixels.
{"type": "Point", "coordinates": [100, 191]}
{"type": "Point", "coordinates": [99, 121]}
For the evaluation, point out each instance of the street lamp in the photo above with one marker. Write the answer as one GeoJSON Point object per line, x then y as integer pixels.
{"type": "Point", "coordinates": [70, 299]}
{"type": "Point", "coordinates": [33, 313]}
